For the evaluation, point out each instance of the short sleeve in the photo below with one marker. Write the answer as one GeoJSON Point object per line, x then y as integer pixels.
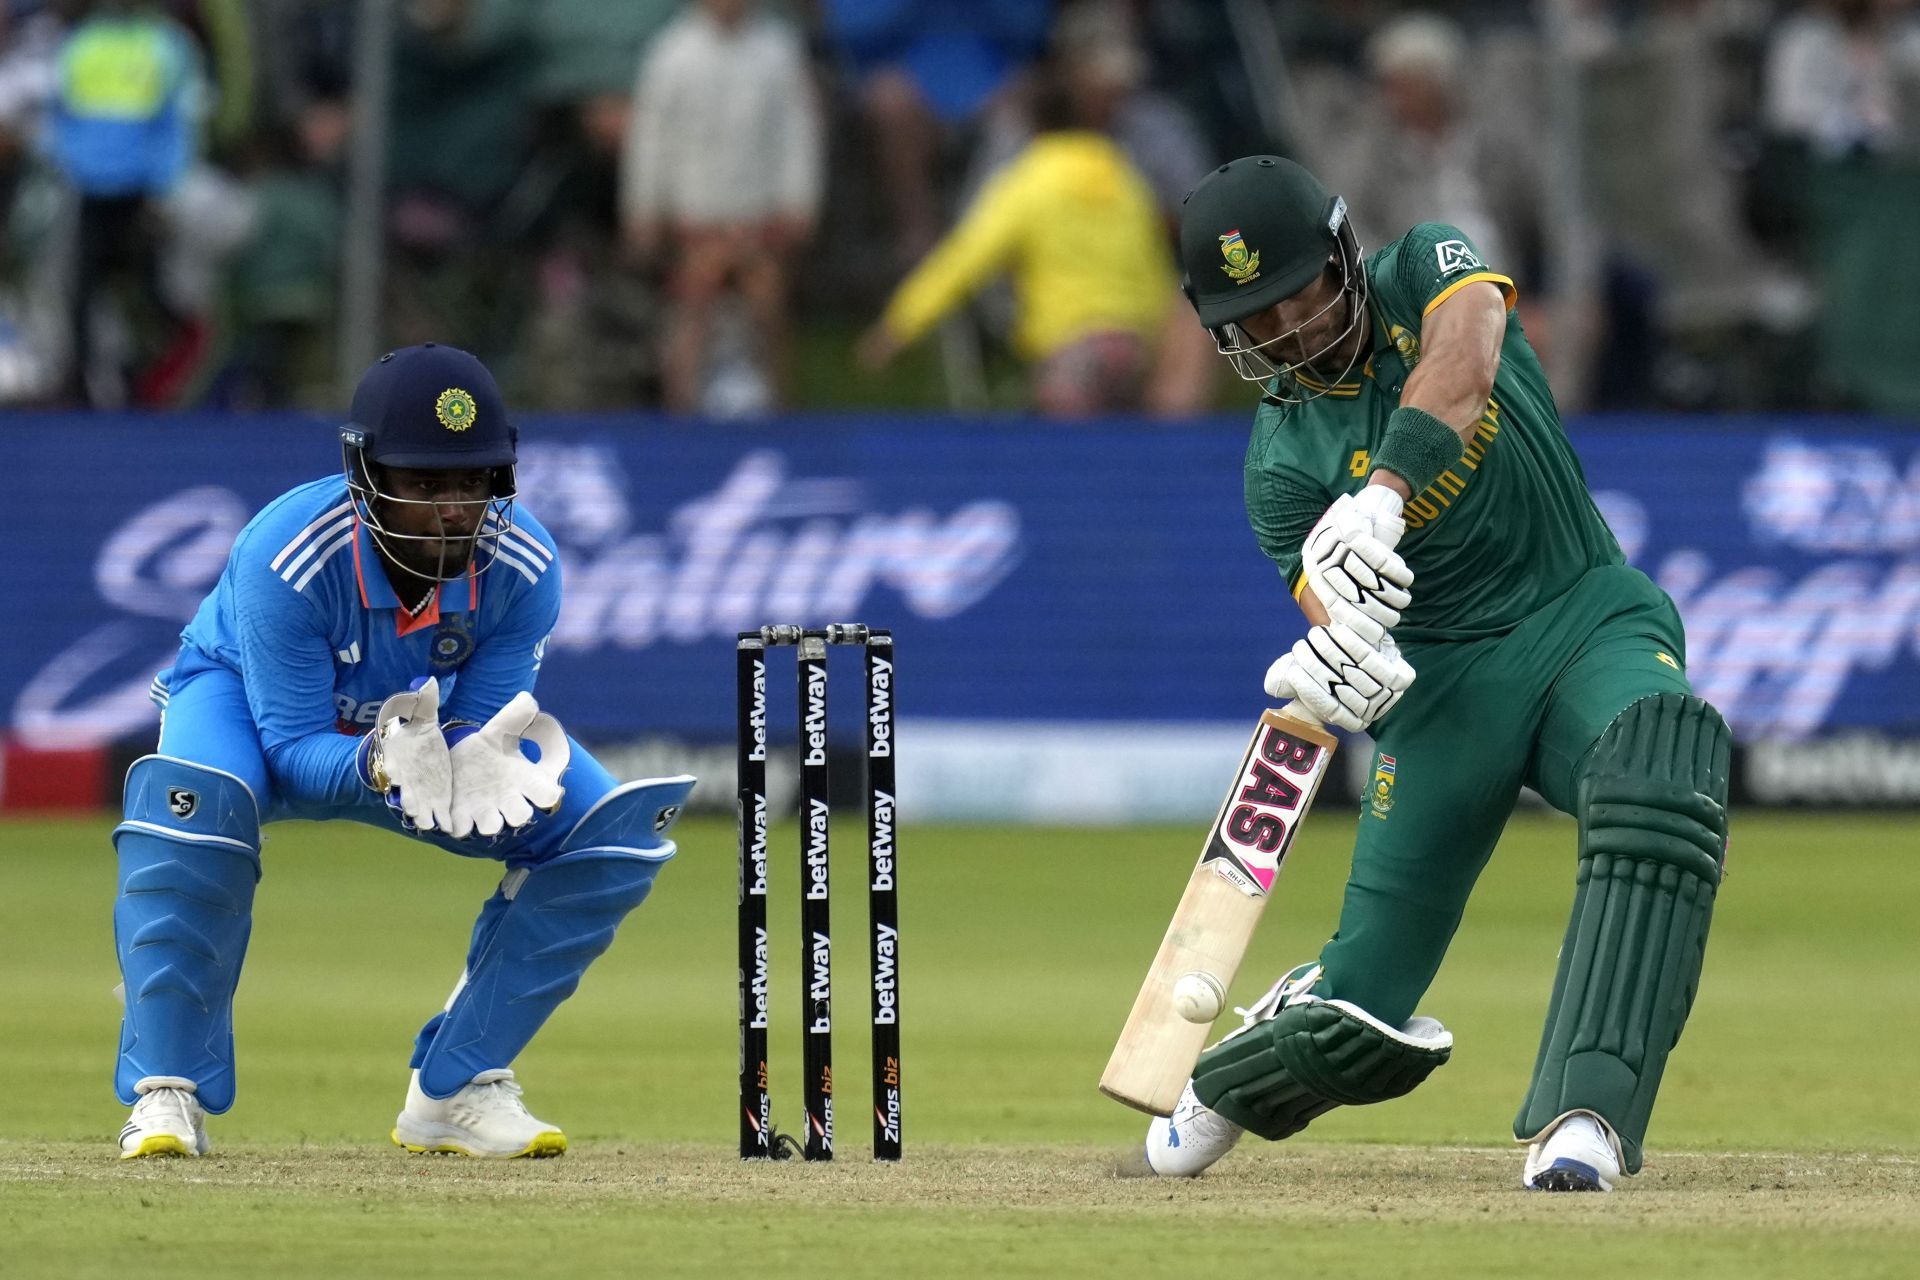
{"type": "Point", "coordinates": [1436, 261]}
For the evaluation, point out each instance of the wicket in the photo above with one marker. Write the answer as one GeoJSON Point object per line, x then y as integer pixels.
{"type": "Point", "coordinates": [758, 1139]}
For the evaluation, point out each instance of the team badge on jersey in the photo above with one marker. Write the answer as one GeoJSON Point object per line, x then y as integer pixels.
{"type": "Point", "coordinates": [1243, 264]}
{"type": "Point", "coordinates": [1455, 255]}
{"type": "Point", "coordinates": [454, 408]}
{"type": "Point", "coordinates": [1405, 343]}
{"type": "Point", "coordinates": [1380, 795]}
{"type": "Point", "coordinates": [452, 643]}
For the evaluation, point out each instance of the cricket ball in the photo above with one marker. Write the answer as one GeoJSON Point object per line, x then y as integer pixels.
{"type": "Point", "coordinates": [1199, 997]}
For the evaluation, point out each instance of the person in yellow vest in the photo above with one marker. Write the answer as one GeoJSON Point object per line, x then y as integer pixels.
{"type": "Point", "coordinates": [1076, 228]}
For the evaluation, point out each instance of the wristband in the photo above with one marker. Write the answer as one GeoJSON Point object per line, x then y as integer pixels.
{"type": "Point", "coordinates": [1417, 447]}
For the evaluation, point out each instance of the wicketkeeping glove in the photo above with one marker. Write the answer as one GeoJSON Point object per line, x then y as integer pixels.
{"type": "Point", "coordinates": [495, 787]}
{"type": "Point", "coordinates": [1350, 563]}
{"type": "Point", "coordinates": [405, 759]}
{"type": "Point", "coordinates": [1343, 679]}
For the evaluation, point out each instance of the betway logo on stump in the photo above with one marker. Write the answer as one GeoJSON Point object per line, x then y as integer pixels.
{"type": "Point", "coordinates": [817, 851]}
{"type": "Point", "coordinates": [880, 707]}
{"type": "Point", "coordinates": [815, 727]}
{"type": "Point", "coordinates": [880, 848]}
{"type": "Point", "coordinates": [757, 1005]}
{"type": "Point", "coordinates": [821, 992]}
{"type": "Point", "coordinates": [756, 885]}
{"type": "Point", "coordinates": [757, 712]}
{"type": "Point", "coordinates": [886, 967]}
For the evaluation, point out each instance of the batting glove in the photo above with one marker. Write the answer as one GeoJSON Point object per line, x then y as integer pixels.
{"type": "Point", "coordinates": [1350, 563]}
{"type": "Point", "coordinates": [1342, 677]}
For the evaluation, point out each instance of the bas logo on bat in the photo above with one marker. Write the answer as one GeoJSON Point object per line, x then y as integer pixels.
{"type": "Point", "coordinates": [1251, 836]}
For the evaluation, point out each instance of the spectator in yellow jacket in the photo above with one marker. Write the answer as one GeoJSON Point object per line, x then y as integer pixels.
{"type": "Point", "coordinates": [1076, 228]}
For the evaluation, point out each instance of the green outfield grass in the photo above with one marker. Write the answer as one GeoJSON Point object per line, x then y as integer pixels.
{"type": "Point", "coordinates": [1787, 1141]}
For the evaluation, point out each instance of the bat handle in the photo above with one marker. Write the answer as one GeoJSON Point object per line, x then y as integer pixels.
{"type": "Point", "coordinates": [1299, 710]}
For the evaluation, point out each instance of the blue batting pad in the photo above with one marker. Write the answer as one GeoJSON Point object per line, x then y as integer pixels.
{"type": "Point", "coordinates": [531, 953]}
{"type": "Point", "coordinates": [189, 854]}
{"type": "Point", "coordinates": [634, 815]}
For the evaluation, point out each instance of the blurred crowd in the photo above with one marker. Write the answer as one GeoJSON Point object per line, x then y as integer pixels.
{"type": "Point", "coordinates": [732, 207]}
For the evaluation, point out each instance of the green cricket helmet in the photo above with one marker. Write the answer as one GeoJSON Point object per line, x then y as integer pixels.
{"type": "Point", "coordinates": [1254, 233]}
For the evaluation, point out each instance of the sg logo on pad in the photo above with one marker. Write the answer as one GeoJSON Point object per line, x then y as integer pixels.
{"type": "Point", "coordinates": [182, 802]}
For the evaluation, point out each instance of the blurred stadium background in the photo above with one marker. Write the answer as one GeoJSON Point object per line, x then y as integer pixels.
{"type": "Point", "coordinates": [776, 358]}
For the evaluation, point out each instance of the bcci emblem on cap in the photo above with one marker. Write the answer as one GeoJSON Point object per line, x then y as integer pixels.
{"type": "Point", "coordinates": [455, 409]}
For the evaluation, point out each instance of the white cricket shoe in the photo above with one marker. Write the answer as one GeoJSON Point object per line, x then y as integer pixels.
{"type": "Point", "coordinates": [1191, 1140]}
{"type": "Point", "coordinates": [167, 1120]}
{"type": "Point", "coordinates": [486, 1118]}
{"type": "Point", "coordinates": [1577, 1152]}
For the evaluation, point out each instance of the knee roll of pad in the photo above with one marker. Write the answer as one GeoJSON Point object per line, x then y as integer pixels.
{"type": "Point", "coordinates": [1653, 827]}
{"type": "Point", "coordinates": [189, 855]}
{"type": "Point", "coordinates": [1277, 1076]}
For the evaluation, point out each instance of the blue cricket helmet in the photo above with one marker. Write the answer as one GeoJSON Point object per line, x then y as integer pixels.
{"type": "Point", "coordinates": [431, 406]}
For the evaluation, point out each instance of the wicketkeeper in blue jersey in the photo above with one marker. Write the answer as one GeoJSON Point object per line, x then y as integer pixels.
{"type": "Point", "coordinates": [369, 654]}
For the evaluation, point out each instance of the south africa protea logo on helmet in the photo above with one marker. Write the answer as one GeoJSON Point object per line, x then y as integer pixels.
{"type": "Point", "coordinates": [1243, 264]}
{"type": "Point", "coordinates": [454, 408]}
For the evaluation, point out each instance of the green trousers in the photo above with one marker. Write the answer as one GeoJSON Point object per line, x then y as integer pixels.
{"type": "Point", "coordinates": [1483, 718]}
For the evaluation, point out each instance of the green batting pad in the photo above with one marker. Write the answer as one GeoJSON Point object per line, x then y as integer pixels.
{"type": "Point", "coordinates": [1276, 1076]}
{"type": "Point", "coordinates": [1653, 826]}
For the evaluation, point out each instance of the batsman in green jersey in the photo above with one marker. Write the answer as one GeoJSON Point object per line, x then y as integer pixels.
{"type": "Point", "coordinates": [1409, 475]}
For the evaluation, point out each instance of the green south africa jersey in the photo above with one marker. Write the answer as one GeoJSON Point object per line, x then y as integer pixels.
{"type": "Point", "coordinates": [1498, 535]}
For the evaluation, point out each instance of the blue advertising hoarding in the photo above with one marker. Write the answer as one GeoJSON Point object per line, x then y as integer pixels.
{"type": "Point", "coordinates": [1099, 576]}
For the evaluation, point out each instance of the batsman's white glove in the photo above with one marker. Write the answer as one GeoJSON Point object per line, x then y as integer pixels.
{"type": "Point", "coordinates": [497, 788]}
{"type": "Point", "coordinates": [1342, 677]}
{"type": "Point", "coordinates": [405, 759]}
{"type": "Point", "coordinates": [1350, 562]}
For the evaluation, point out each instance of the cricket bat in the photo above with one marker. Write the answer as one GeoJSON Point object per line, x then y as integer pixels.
{"type": "Point", "coordinates": [1215, 920]}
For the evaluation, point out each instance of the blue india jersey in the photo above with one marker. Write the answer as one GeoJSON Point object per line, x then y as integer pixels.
{"type": "Point", "coordinates": [304, 614]}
